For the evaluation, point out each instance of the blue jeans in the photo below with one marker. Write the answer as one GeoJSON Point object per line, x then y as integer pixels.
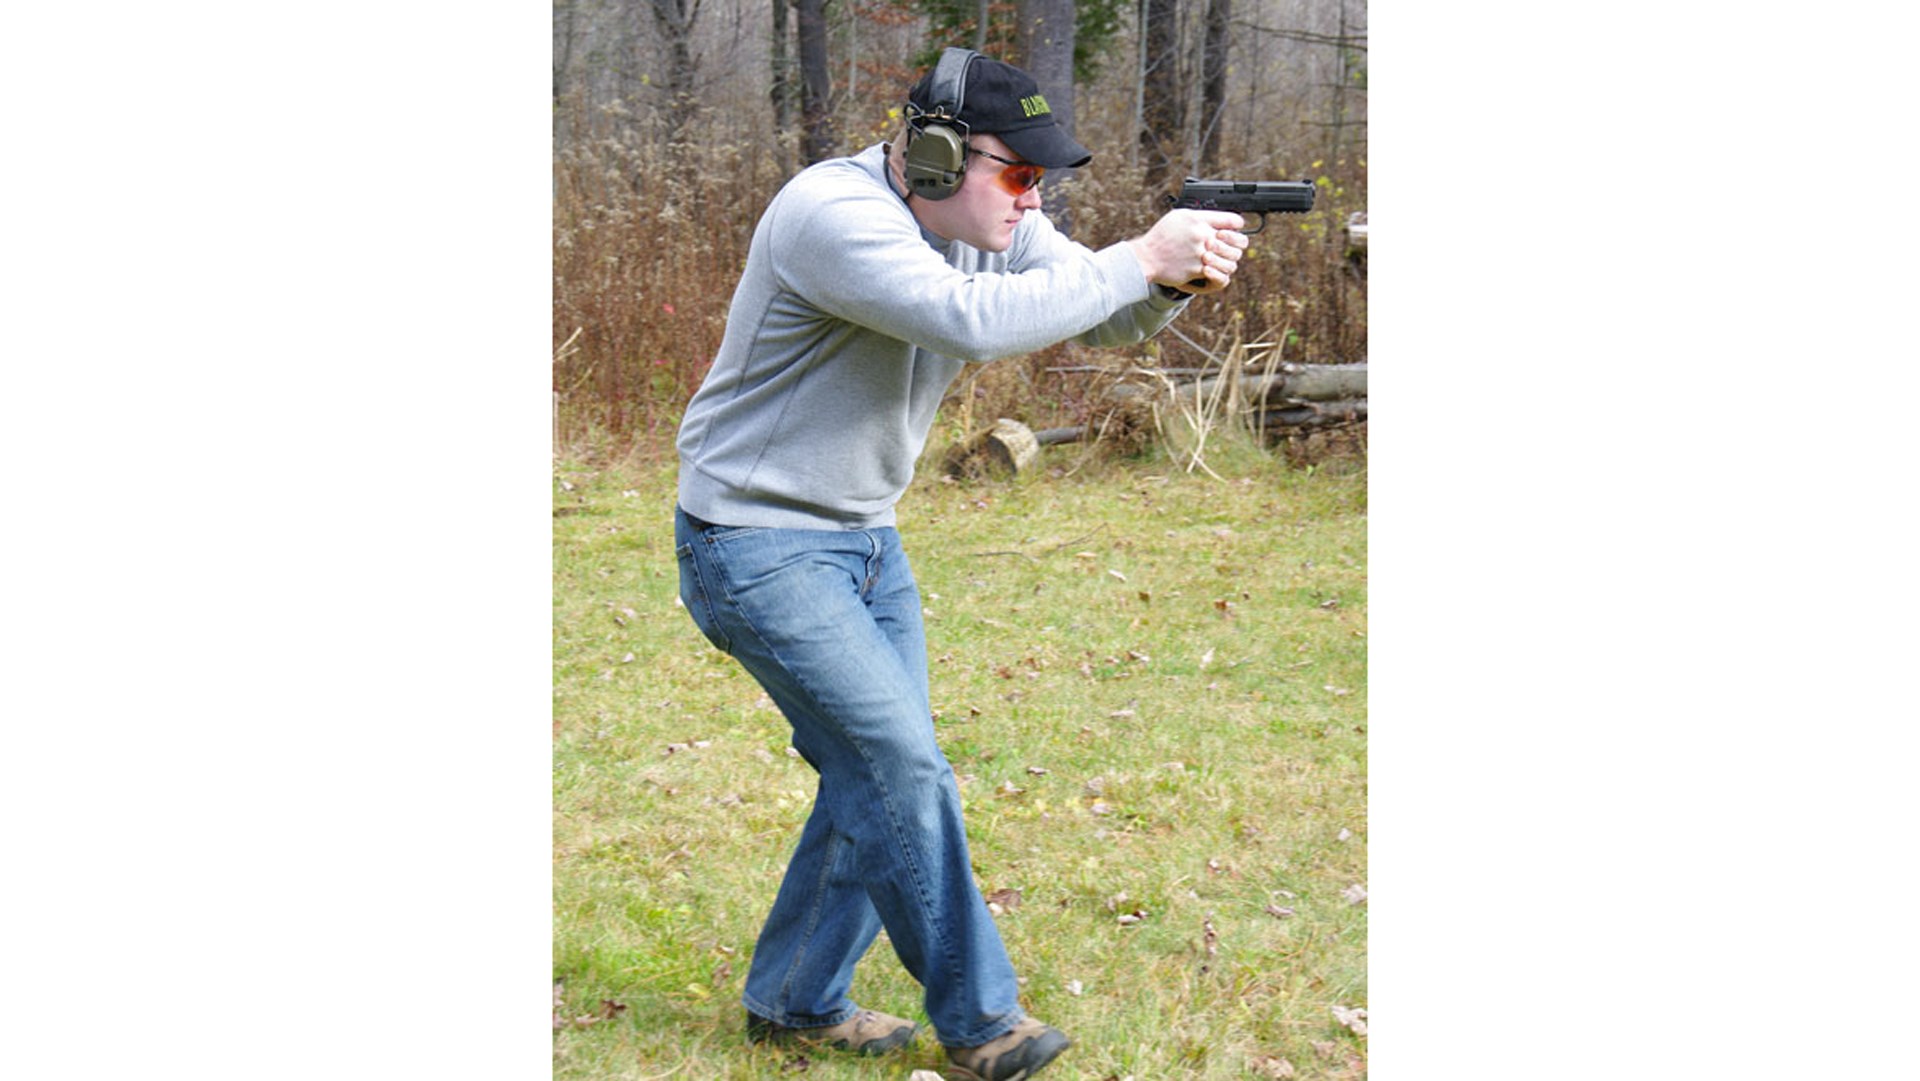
{"type": "Point", "coordinates": [829, 622]}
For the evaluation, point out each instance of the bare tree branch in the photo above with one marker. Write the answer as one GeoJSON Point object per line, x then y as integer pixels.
{"type": "Point", "coordinates": [1307, 37]}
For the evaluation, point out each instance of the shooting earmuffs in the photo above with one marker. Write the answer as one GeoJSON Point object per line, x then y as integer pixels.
{"type": "Point", "coordinates": [936, 154]}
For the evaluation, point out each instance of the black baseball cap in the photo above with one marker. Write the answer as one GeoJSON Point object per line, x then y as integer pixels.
{"type": "Point", "coordinates": [1001, 100]}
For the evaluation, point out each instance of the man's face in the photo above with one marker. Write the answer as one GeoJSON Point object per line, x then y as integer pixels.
{"type": "Point", "coordinates": [989, 203]}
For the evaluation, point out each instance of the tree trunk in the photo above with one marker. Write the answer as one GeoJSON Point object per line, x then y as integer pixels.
{"type": "Point", "coordinates": [783, 85]}
{"type": "Point", "coordinates": [1163, 139]}
{"type": "Point", "coordinates": [1045, 51]}
{"type": "Point", "coordinates": [1213, 84]}
{"type": "Point", "coordinates": [675, 19]}
{"type": "Point", "coordinates": [1340, 92]}
{"type": "Point", "coordinates": [563, 53]}
{"type": "Point", "coordinates": [816, 81]}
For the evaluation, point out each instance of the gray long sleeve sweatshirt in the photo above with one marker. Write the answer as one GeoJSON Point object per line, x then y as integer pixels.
{"type": "Point", "coordinates": [847, 327]}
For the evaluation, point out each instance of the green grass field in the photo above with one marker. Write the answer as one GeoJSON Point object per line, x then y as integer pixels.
{"type": "Point", "coordinates": [1153, 687]}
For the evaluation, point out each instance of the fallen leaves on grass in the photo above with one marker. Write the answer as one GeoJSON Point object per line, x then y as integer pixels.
{"type": "Point", "coordinates": [1355, 1019]}
{"type": "Point", "coordinates": [1270, 1066]}
{"type": "Point", "coordinates": [1355, 894]}
{"type": "Point", "coordinates": [1003, 900]}
{"type": "Point", "coordinates": [609, 1009]}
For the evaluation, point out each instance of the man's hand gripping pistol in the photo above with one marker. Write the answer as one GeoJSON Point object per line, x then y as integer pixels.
{"type": "Point", "coordinates": [1257, 197]}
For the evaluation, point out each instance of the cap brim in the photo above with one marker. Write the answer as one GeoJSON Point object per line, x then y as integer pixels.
{"type": "Point", "coordinates": [1046, 144]}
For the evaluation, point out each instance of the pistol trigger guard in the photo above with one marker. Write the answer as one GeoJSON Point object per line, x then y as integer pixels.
{"type": "Point", "coordinates": [1263, 222]}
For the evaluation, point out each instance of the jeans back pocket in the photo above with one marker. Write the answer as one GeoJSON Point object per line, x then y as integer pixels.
{"type": "Point", "coordinates": [697, 600]}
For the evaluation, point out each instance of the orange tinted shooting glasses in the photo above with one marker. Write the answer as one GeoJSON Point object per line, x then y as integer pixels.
{"type": "Point", "coordinates": [1019, 177]}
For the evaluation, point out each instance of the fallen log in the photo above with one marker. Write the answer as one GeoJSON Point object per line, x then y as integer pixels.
{"type": "Point", "coordinates": [1047, 437]}
{"type": "Point", "coordinates": [1312, 414]}
{"type": "Point", "coordinates": [1291, 396]}
{"type": "Point", "coordinates": [1308, 382]}
{"type": "Point", "coordinates": [1004, 449]}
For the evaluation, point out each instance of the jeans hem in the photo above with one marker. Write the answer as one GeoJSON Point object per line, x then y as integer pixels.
{"type": "Point", "coordinates": [1002, 1025]}
{"type": "Point", "coordinates": [787, 1020]}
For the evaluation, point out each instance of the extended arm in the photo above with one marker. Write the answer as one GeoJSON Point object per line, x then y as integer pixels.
{"type": "Point", "coordinates": [866, 262]}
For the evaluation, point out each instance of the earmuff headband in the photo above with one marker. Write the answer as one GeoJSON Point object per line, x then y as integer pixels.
{"type": "Point", "coordinates": [936, 154]}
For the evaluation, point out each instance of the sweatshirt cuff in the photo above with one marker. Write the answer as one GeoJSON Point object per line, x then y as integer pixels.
{"type": "Point", "coordinates": [1166, 296]}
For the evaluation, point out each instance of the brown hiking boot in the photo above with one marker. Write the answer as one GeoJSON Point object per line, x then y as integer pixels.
{"type": "Point", "coordinates": [868, 1032]}
{"type": "Point", "coordinates": [1013, 1057]}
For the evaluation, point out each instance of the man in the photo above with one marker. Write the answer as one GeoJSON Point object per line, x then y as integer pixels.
{"type": "Point", "coordinates": [870, 282]}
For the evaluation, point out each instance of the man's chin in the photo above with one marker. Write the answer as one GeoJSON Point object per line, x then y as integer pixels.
{"type": "Point", "coordinates": [999, 242]}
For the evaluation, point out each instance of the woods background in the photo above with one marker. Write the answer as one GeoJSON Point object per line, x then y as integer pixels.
{"type": "Point", "coordinates": [675, 121]}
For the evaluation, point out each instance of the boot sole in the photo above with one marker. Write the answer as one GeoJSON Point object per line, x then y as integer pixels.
{"type": "Point", "coordinates": [957, 1072]}
{"type": "Point", "coordinates": [762, 1031]}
